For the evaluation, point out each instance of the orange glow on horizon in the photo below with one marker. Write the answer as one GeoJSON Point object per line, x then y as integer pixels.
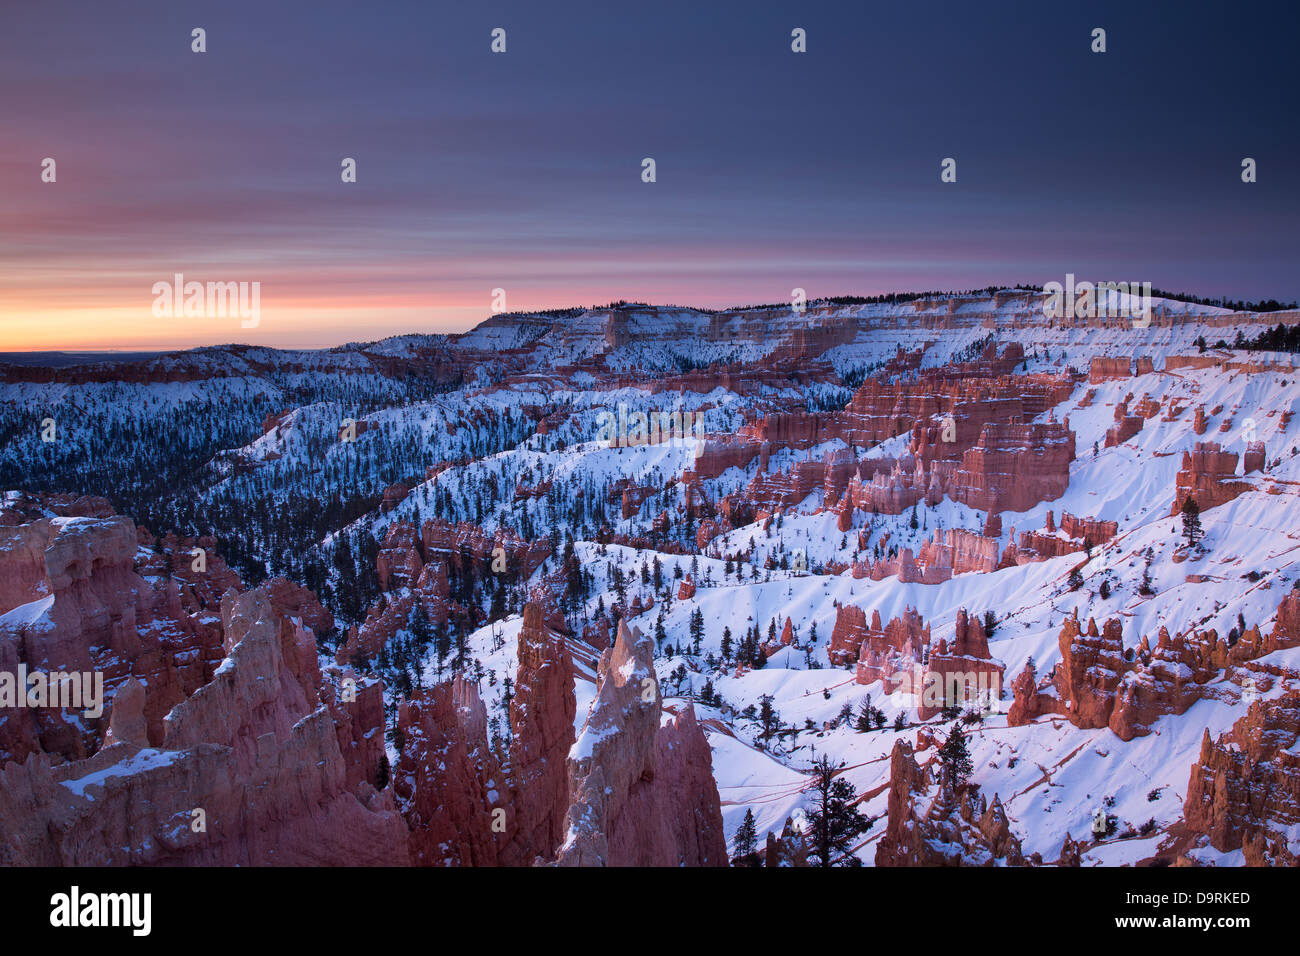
{"type": "Point", "coordinates": [306, 324]}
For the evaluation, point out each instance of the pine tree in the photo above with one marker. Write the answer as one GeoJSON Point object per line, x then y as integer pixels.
{"type": "Point", "coordinates": [955, 758]}
{"type": "Point", "coordinates": [835, 821]}
{"type": "Point", "coordinates": [866, 717]}
{"type": "Point", "coordinates": [746, 841]}
{"type": "Point", "coordinates": [1191, 521]}
{"type": "Point", "coordinates": [697, 628]}
{"type": "Point", "coordinates": [768, 717]}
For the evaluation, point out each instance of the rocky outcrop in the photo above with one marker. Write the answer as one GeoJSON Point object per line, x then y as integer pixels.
{"type": "Point", "coordinates": [953, 675]}
{"type": "Point", "coordinates": [1074, 535]}
{"type": "Point", "coordinates": [1167, 681]}
{"type": "Point", "coordinates": [1125, 427]}
{"type": "Point", "coordinates": [963, 673]}
{"type": "Point", "coordinates": [636, 788]}
{"type": "Point", "coordinates": [954, 829]}
{"type": "Point", "coordinates": [958, 551]}
{"type": "Point", "coordinates": [1102, 369]}
{"type": "Point", "coordinates": [790, 849]}
{"type": "Point", "coordinates": [1244, 789]}
{"type": "Point", "coordinates": [848, 634]}
{"type": "Point", "coordinates": [1100, 683]}
{"type": "Point", "coordinates": [463, 807]}
{"type": "Point", "coordinates": [1092, 665]}
{"type": "Point", "coordinates": [641, 790]}
{"type": "Point", "coordinates": [1207, 476]}
{"type": "Point", "coordinates": [1083, 684]}
{"type": "Point", "coordinates": [1090, 531]}
{"type": "Point", "coordinates": [1199, 423]}
{"type": "Point", "coordinates": [112, 607]}
{"type": "Point", "coordinates": [448, 781]}
{"type": "Point", "coordinates": [541, 724]}
{"type": "Point", "coordinates": [967, 442]}
{"type": "Point", "coordinates": [249, 772]}
{"type": "Point", "coordinates": [892, 653]}
{"type": "Point", "coordinates": [1243, 792]}
{"type": "Point", "coordinates": [1013, 467]}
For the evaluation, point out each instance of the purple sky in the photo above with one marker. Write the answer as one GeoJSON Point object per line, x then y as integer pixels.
{"type": "Point", "coordinates": [522, 170]}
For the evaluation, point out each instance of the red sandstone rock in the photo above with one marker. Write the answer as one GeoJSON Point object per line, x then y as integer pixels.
{"type": "Point", "coordinates": [790, 849]}
{"type": "Point", "coordinates": [1092, 665]}
{"type": "Point", "coordinates": [1246, 784]}
{"type": "Point", "coordinates": [963, 674]}
{"type": "Point", "coordinates": [393, 496]}
{"type": "Point", "coordinates": [640, 794]}
{"type": "Point", "coordinates": [1109, 369]}
{"type": "Point", "coordinates": [258, 727]}
{"type": "Point", "coordinates": [958, 829]}
{"type": "Point", "coordinates": [893, 652]}
{"type": "Point", "coordinates": [958, 551]}
{"type": "Point", "coordinates": [848, 634]}
{"type": "Point", "coordinates": [1207, 476]}
{"type": "Point", "coordinates": [448, 782]}
{"type": "Point", "coordinates": [102, 615]}
{"type": "Point", "coordinates": [541, 723]}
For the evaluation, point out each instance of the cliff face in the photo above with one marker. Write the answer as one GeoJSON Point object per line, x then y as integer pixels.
{"type": "Point", "coordinates": [210, 695]}
{"type": "Point", "coordinates": [955, 675]}
{"type": "Point", "coordinates": [1243, 792]}
{"type": "Point", "coordinates": [541, 720]}
{"type": "Point", "coordinates": [448, 781]}
{"type": "Point", "coordinates": [963, 673]}
{"type": "Point", "coordinates": [636, 788]}
{"type": "Point", "coordinates": [1100, 683]}
{"type": "Point", "coordinates": [929, 827]}
{"type": "Point", "coordinates": [967, 442]}
{"type": "Point", "coordinates": [641, 787]}
{"type": "Point", "coordinates": [1207, 477]}
{"type": "Point", "coordinates": [1085, 681]}
{"type": "Point", "coordinates": [100, 602]}
{"type": "Point", "coordinates": [1013, 466]}
{"type": "Point", "coordinates": [250, 770]}
{"type": "Point", "coordinates": [1244, 789]}
{"type": "Point", "coordinates": [463, 806]}
{"type": "Point", "coordinates": [849, 633]}
{"type": "Point", "coordinates": [1102, 369]}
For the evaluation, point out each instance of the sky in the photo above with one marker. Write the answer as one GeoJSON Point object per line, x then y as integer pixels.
{"type": "Point", "coordinates": [522, 170]}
